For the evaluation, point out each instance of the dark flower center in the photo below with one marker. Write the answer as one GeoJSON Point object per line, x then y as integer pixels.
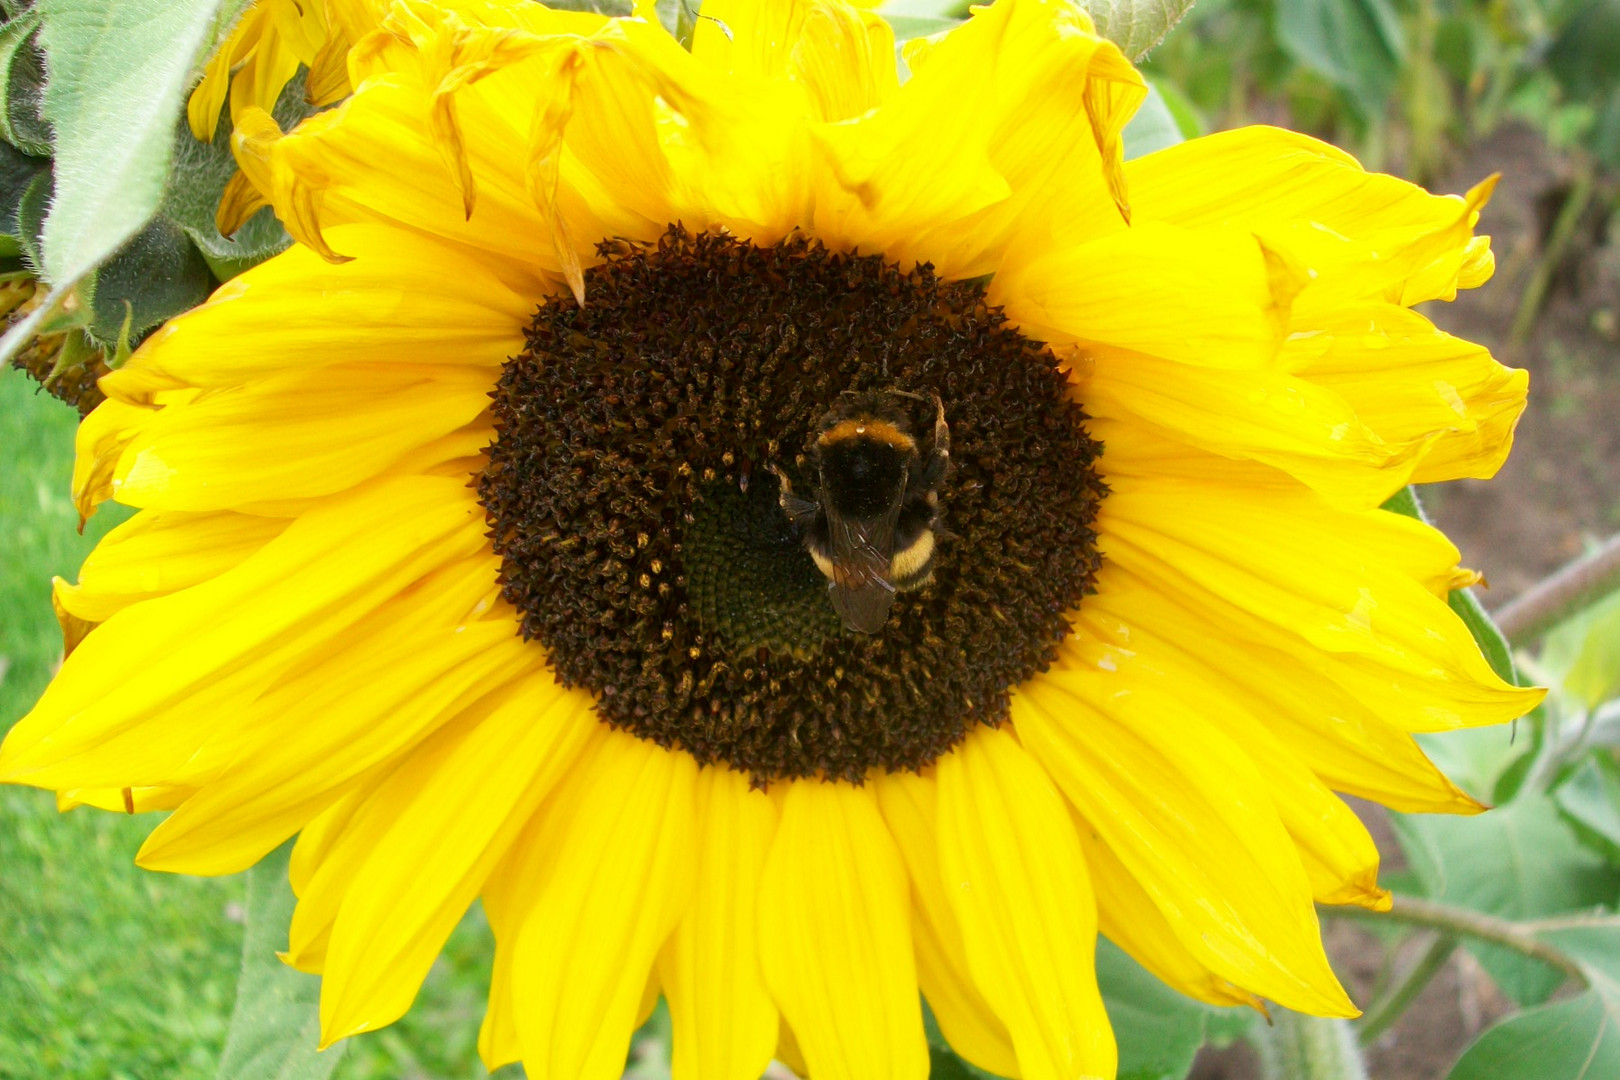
{"type": "Point", "coordinates": [633, 496]}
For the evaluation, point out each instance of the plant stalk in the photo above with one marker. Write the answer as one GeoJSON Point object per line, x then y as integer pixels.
{"type": "Point", "coordinates": [1520, 937]}
{"type": "Point", "coordinates": [1555, 598]}
{"type": "Point", "coordinates": [1299, 1047]}
{"type": "Point", "coordinates": [1383, 1013]}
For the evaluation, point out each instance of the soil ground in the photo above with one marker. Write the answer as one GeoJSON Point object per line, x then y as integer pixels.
{"type": "Point", "coordinates": [1558, 492]}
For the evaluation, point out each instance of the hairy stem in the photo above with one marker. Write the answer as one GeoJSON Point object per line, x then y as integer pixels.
{"type": "Point", "coordinates": [1383, 1013]}
{"type": "Point", "coordinates": [1565, 592]}
{"type": "Point", "coordinates": [1299, 1047]}
{"type": "Point", "coordinates": [1520, 937]}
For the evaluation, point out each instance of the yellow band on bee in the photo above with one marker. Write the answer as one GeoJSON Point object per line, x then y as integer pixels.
{"type": "Point", "coordinates": [880, 430]}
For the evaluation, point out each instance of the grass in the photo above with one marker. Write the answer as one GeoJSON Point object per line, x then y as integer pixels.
{"type": "Point", "coordinates": [108, 972]}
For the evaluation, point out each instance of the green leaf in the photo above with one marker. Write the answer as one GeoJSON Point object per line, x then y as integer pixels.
{"type": "Point", "coordinates": [1188, 121]}
{"type": "Point", "coordinates": [679, 17]}
{"type": "Point", "coordinates": [943, 1062]}
{"type": "Point", "coordinates": [944, 1065]}
{"type": "Point", "coordinates": [119, 73]}
{"type": "Point", "coordinates": [1519, 861]}
{"type": "Point", "coordinates": [1136, 25]}
{"type": "Point", "coordinates": [1159, 1030]}
{"type": "Point", "coordinates": [1152, 128]}
{"type": "Point", "coordinates": [198, 179]}
{"type": "Point", "coordinates": [1354, 44]}
{"type": "Point", "coordinates": [1585, 56]}
{"type": "Point", "coordinates": [1585, 651]}
{"type": "Point", "coordinates": [614, 8]}
{"type": "Point", "coordinates": [906, 27]}
{"type": "Point", "coordinates": [22, 84]}
{"type": "Point", "coordinates": [1590, 803]}
{"type": "Point", "coordinates": [276, 1024]}
{"type": "Point", "coordinates": [1577, 1039]}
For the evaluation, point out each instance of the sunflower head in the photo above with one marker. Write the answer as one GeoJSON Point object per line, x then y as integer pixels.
{"type": "Point", "coordinates": [491, 539]}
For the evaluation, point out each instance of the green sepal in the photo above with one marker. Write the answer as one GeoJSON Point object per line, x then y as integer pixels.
{"type": "Point", "coordinates": [17, 171]}
{"type": "Point", "coordinates": [1498, 653]}
{"type": "Point", "coordinates": [154, 277]}
{"type": "Point", "coordinates": [32, 205]}
{"type": "Point", "coordinates": [197, 180]}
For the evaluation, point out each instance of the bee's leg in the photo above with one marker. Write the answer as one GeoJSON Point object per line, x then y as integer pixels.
{"type": "Point", "coordinates": [939, 454]}
{"type": "Point", "coordinates": [799, 511]}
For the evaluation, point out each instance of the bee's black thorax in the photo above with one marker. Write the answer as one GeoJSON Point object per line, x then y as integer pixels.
{"type": "Point", "coordinates": [862, 477]}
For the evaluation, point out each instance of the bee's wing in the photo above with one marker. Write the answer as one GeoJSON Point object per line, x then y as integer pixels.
{"type": "Point", "coordinates": [860, 588]}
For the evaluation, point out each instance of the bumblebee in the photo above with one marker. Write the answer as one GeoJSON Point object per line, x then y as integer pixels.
{"type": "Point", "coordinates": [871, 526]}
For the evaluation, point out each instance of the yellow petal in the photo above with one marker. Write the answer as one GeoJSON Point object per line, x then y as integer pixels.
{"type": "Point", "coordinates": [835, 939]}
{"type": "Point", "coordinates": [155, 554]}
{"type": "Point", "coordinates": [910, 808]}
{"type": "Point", "coordinates": [260, 79]}
{"type": "Point", "coordinates": [1187, 813]}
{"type": "Point", "coordinates": [1407, 381]}
{"type": "Point", "coordinates": [101, 438]}
{"type": "Point", "coordinates": [1346, 743]}
{"type": "Point", "coordinates": [1210, 296]}
{"type": "Point", "coordinates": [327, 81]}
{"type": "Point", "coordinates": [507, 897]}
{"type": "Point", "coordinates": [1382, 233]}
{"type": "Point", "coordinates": [124, 800]}
{"type": "Point", "coordinates": [1284, 568]}
{"type": "Point", "coordinates": [621, 881]}
{"type": "Point", "coordinates": [724, 1021]}
{"type": "Point", "coordinates": [450, 829]}
{"type": "Point", "coordinates": [844, 58]}
{"type": "Point", "coordinates": [404, 300]}
{"type": "Point", "coordinates": [788, 1052]}
{"type": "Point", "coordinates": [841, 56]}
{"type": "Point", "coordinates": [177, 661]}
{"type": "Point", "coordinates": [280, 438]}
{"type": "Point", "coordinates": [1129, 918]}
{"type": "Point", "coordinates": [1268, 416]}
{"type": "Point", "coordinates": [1338, 855]}
{"type": "Point", "coordinates": [336, 846]}
{"type": "Point", "coordinates": [399, 674]}
{"type": "Point", "coordinates": [206, 101]}
{"type": "Point", "coordinates": [1018, 79]}
{"type": "Point", "coordinates": [1017, 881]}
{"type": "Point", "coordinates": [427, 141]}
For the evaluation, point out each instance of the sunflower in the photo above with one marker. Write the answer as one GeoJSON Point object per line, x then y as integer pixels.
{"type": "Point", "coordinates": [462, 551]}
{"type": "Point", "coordinates": [264, 51]}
